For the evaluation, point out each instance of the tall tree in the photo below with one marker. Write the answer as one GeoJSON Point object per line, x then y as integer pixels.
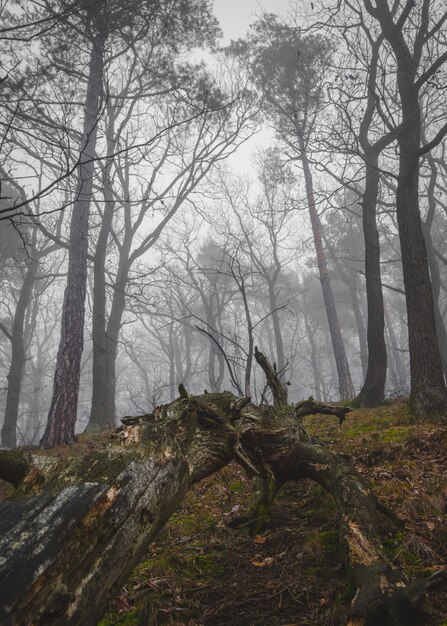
{"type": "Point", "coordinates": [63, 408]}
{"type": "Point", "coordinates": [290, 71]}
{"type": "Point", "coordinates": [413, 30]}
{"type": "Point", "coordinates": [122, 26]}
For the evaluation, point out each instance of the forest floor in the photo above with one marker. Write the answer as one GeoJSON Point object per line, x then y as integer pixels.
{"type": "Point", "coordinates": [203, 572]}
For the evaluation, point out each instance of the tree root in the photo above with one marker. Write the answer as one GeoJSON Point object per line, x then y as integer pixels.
{"type": "Point", "coordinates": [383, 596]}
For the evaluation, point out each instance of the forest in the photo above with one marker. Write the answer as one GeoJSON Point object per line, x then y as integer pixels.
{"type": "Point", "coordinates": [223, 269]}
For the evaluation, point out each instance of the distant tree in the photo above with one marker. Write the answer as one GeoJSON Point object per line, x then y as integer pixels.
{"type": "Point", "coordinates": [265, 224]}
{"type": "Point", "coordinates": [181, 160]}
{"type": "Point", "coordinates": [21, 249]}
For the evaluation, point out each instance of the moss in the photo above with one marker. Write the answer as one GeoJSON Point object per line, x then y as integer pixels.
{"type": "Point", "coordinates": [113, 618]}
{"type": "Point", "coordinates": [159, 565]}
{"type": "Point", "coordinates": [208, 565]}
{"type": "Point", "coordinates": [237, 487]}
{"type": "Point", "coordinates": [395, 547]}
{"type": "Point", "coordinates": [364, 428]}
{"type": "Point", "coordinates": [396, 434]}
{"type": "Point", "coordinates": [100, 466]}
{"type": "Point", "coordinates": [355, 403]}
{"type": "Point", "coordinates": [327, 540]}
{"type": "Point", "coordinates": [322, 571]}
{"type": "Point", "coordinates": [190, 524]}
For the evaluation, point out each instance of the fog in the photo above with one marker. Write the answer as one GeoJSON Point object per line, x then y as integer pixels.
{"type": "Point", "coordinates": [162, 215]}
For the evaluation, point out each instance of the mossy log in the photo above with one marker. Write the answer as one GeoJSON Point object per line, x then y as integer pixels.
{"type": "Point", "coordinates": [83, 516]}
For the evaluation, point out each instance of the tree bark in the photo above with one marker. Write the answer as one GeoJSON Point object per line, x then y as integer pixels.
{"type": "Point", "coordinates": [102, 410]}
{"type": "Point", "coordinates": [314, 360]}
{"type": "Point", "coordinates": [113, 330]}
{"type": "Point", "coordinates": [373, 389]}
{"type": "Point", "coordinates": [401, 373]}
{"type": "Point", "coordinates": [433, 265]}
{"type": "Point", "coordinates": [84, 517]}
{"type": "Point", "coordinates": [346, 388]}
{"type": "Point", "coordinates": [428, 390]}
{"type": "Point", "coordinates": [280, 358]}
{"type": "Point", "coordinates": [63, 409]}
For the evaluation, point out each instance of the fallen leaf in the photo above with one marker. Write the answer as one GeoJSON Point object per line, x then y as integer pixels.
{"type": "Point", "coordinates": [267, 561]}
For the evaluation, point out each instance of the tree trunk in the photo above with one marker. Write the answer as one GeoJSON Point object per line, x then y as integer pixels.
{"type": "Point", "coordinates": [435, 275]}
{"type": "Point", "coordinates": [63, 409]}
{"type": "Point", "coordinates": [350, 281]}
{"type": "Point", "coordinates": [399, 365]}
{"type": "Point", "coordinates": [373, 389]}
{"type": "Point", "coordinates": [102, 413]}
{"type": "Point", "coordinates": [280, 358]}
{"type": "Point", "coordinates": [86, 516]}
{"type": "Point", "coordinates": [361, 330]}
{"type": "Point", "coordinates": [15, 374]}
{"type": "Point", "coordinates": [428, 390]}
{"type": "Point", "coordinates": [314, 361]}
{"type": "Point", "coordinates": [344, 375]}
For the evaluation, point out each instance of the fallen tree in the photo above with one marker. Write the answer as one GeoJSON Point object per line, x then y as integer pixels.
{"type": "Point", "coordinates": [83, 516]}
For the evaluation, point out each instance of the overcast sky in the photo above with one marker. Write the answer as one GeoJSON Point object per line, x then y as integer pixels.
{"type": "Point", "coordinates": [236, 15]}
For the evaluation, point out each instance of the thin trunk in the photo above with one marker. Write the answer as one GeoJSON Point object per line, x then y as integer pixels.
{"type": "Point", "coordinates": [314, 360]}
{"type": "Point", "coordinates": [280, 359]}
{"type": "Point", "coordinates": [33, 424]}
{"type": "Point", "coordinates": [373, 390]}
{"type": "Point", "coordinates": [15, 374]}
{"type": "Point", "coordinates": [101, 416]}
{"type": "Point", "coordinates": [114, 326]}
{"type": "Point", "coordinates": [249, 363]}
{"type": "Point", "coordinates": [350, 281]}
{"type": "Point", "coordinates": [63, 409]}
{"type": "Point", "coordinates": [172, 385]}
{"type": "Point", "coordinates": [395, 383]}
{"type": "Point", "coordinates": [441, 332]}
{"type": "Point", "coordinates": [361, 330]}
{"type": "Point", "coordinates": [346, 388]}
{"type": "Point", "coordinates": [400, 368]}
{"type": "Point", "coordinates": [221, 370]}
{"type": "Point", "coordinates": [433, 265]}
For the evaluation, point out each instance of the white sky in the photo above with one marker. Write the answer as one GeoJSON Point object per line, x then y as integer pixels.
{"type": "Point", "coordinates": [236, 15]}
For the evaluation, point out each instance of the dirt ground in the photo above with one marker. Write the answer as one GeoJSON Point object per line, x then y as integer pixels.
{"type": "Point", "coordinates": [203, 571]}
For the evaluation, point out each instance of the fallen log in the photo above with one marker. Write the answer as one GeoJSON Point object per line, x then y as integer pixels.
{"type": "Point", "coordinates": [83, 516]}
